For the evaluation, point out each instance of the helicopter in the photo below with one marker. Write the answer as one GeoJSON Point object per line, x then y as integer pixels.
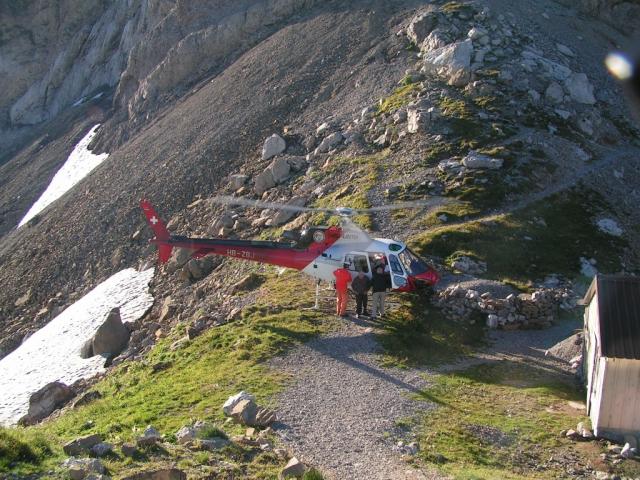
{"type": "Point", "coordinates": [316, 251]}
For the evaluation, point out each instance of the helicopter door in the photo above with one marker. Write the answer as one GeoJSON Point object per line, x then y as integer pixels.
{"type": "Point", "coordinates": [398, 275]}
{"type": "Point", "coordinates": [357, 262]}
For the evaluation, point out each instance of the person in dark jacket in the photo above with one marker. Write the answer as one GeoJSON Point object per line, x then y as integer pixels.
{"type": "Point", "coordinates": [380, 282]}
{"type": "Point", "coordinates": [360, 286]}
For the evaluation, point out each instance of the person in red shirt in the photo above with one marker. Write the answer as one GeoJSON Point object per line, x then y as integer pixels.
{"type": "Point", "coordinates": [343, 278]}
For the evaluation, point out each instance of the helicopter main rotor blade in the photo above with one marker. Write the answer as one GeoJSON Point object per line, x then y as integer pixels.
{"type": "Point", "coordinates": [247, 202]}
{"type": "Point", "coordinates": [432, 202]}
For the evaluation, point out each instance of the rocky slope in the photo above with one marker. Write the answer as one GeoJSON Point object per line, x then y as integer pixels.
{"type": "Point", "coordinates": [504, 110]}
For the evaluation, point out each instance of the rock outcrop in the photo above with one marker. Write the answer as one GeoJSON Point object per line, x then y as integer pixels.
{"type": "Point", "coordinates": [42, 403]}
{"type": "Point", "coordinates": [110, 338]}
{"type": "Point", "coordinates": [65, 53]}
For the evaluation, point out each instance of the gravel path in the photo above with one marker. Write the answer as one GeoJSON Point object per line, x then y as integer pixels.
{"type": "Point", "coordinates": [339, 413]}
{"type": "Point", "coordinates": [340, 410]}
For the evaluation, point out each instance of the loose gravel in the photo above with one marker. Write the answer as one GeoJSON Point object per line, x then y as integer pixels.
{"type": "Point", "coordinates": [340, 411]}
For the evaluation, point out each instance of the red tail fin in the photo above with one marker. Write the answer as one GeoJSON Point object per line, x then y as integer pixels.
{"type": "Point", "coordinates": [160, 230]}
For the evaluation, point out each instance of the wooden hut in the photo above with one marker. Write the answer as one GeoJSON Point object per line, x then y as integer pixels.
{"type": "Point", "coordinates": [611, 357]}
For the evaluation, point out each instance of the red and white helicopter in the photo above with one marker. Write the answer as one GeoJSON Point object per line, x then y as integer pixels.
{"type": "Point", "coordinates": [317, 251]}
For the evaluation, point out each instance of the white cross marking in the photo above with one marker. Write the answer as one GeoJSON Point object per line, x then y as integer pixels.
{"type": "Point", "coordinates": [153, 220]}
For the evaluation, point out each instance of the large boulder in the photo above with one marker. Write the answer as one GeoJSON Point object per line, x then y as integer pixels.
{"type": "Point", "coordinates": [110, 339]}
{"type": "Point", "coordinates": [247, 412]}
{"type": "Point", "coordinates": [50, 397]}
{"type": "Point", "coordinates": [451, 62]}
{"type": "Point", "coordinates": [233, 400]}
{"type": "Point", "coordinates": [580, 89]}
{"type": "Point", "coordinates": [81, 445]}
{"type": "Point", "coordinates": [274, 145]}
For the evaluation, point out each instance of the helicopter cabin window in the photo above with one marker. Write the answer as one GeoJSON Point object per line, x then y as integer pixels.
{"type": "Point", "coordinates": [356, 262]}
{"type": "Point", "coordinates": [396, 268]}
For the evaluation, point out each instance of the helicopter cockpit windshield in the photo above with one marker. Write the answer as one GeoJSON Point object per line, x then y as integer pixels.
{"type": "Point", "coordinates": [412, 264]}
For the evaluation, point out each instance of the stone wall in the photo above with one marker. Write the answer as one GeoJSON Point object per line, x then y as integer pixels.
{"type": "Point", "coordinates": [536, 310]}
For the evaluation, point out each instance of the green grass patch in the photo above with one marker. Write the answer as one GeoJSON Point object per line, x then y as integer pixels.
{"type": "Point", "coordinates": [456, 8]}
{"type": "Point", "coordinates": [22, 450]}
{"type": "Point", "coordinates": [312, 474]}
{"type": "Point", "coordinates": [558, 231]}
{"type": "Point", "coordinates": [202, 374]}
{"type": "Point", "coordinates": [492, 421]}
{"type": "Point", "coordinates": [399, 98]}
{"type": "Point", "coordinates": [352, 194]}
{"type": "Point", "coordinates": [418, 333]}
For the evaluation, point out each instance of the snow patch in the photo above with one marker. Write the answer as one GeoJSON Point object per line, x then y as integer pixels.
{"type": "Point", "coordinates": [79, 164]}
{"type": "Point", "coordinates": [53, 352]}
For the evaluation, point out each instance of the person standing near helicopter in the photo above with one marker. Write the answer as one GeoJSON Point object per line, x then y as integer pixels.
{"type": "Point", "coordinates": [380, 282]}
{"type": "Point", "coordinates": [360, 286]}
{"type": "Point", "coordinates": [343, 278]}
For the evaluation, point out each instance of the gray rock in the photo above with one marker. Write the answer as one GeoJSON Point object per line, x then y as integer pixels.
{"type": "Point", "coordinates": [248, 413]}
{"type": "Point", "coordinates": [232, 401]}
{"type": "Point", "coordinates": [534, 96]}
{"type": "Point", "coordinates": [111, 337]}
{"type": "Point", "coordinates": [263, 182]}
{"type": "Point", "coordinates": [283, 216]}
{"type": "Point", "coordinates": [129, 450]}
{"type": "Point", "coordinates": [554, 93]}
{"type": "Point", "coordinates": [492, 321]}
{"type": "Point", "coordinates": [213, 444]}
{"type": "Point", "coordinates": [469, 266]}
{"type": "Point", "coordinates": [420, 26]}
{"type": "Point", "coordinates": [279, 169]}
{"type": "Point", "coordinates": [436, 39]}
{"type": "Point", "coordinates": [449, 164]}
{"type": "Point", "coordinates": [101, 449]}
{"type": "Point", "coordinates": [79, 468]}
{"type": "Point", "coordinates": [238, 180]}
{"type": "Point", "coordinates": [294, 469]}
{"type": "Point", "coordinates": [400, 116]}
{"type": "Point", "coordinates": [476, 33]}
{"type": "Point", "coordinates": [580, 89]}
{"type": "Point", "coordinates": [158, 474]}
{"type": "Point", "coordinates": [329, 142]}
{"type": "Point", "coordinates": [151, 436]}
{"type": "Point", "coordinates": [563, 49]}
{"type": "Point", "coordinates": [451, 62]}
{"type": "Point", "coordinates": [610, 226]}
{"type": "Point", "coordinates": [297, 163]}
{"type": "Point", "coordinates": [186, 434]}
{"type": "Point", "coordinates": [477, 160]}
{"type": "Point", "coordinates": [274, 145]}
{"type": "Point", "coordinates": [81, 445]}
{"type": "Point", "coordinates": [43, 402]}
{"type": "Point", "coordinates": [418, 120]}
{"type": "Point", "coordinates": [86, 398]}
